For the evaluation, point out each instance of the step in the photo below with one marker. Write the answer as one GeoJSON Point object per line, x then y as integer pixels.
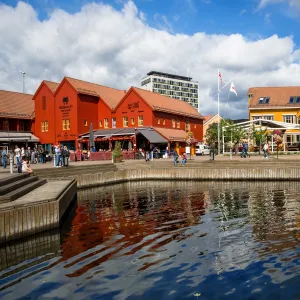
{"type": "Point", "coordinates": [72, 169]}
{"type": "Point", "coordinates": [17, 184]}
{"type": "Point", "coordinates": [22, 191]}
{"type": "Point", "coordinates": [12, 178]}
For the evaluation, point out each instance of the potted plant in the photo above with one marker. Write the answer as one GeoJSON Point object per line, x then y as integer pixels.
{"type": "Point", "coordinates": [117, 155]}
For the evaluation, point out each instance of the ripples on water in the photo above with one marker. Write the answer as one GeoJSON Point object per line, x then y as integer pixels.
{"type": "Point", "coordinates": [164, 241]}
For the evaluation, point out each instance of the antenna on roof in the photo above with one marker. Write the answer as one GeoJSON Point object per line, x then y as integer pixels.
{"type": "Point", "coordinates": [174, 71]}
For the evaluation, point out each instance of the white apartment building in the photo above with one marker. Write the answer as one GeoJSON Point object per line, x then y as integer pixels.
{"type": "Point", "coordinates": [174, 86]}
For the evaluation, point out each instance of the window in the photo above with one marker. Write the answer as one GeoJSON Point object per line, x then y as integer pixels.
{"type": "Point", "coordinates": [65, 124]}
{"type": "Point", "coordinates": [164, 122]}
{"type": "Point", "coordinates": [250, 96]}
{"type": "Point", "coordinates": [125, 121]}
{"type": "Point", "coordinates": [288, 118]}
{"type": "Point", "coordinates": [105, 123]}
{"type": "Point", "coordinates": [114, 123]}
{"type": "Point", "coordinates": [158, 121]}
{"type": "Point", "coordinates": [173, 123]}
{"type": "Point", "coordinates": [44, 125]}
{"type": "Point", "coordinates": [264, 100]}
{"type": "Point", "coordinates": [187, 126]}
{"type": "Point", "coordinates": [294, 99]}
{"type": "Point", "coordinates": [85, 123]}
{"type": "Point", "coordinates": [141, 120]}
{"type": "Point", "coordinates": [21, 126]}
{"type": "Point", "coordinates": [256, 117]}
{"type": "Point", "coordinates": [44, 103]}
{"type": "Point", "coordinates": [100, 124]}
{"type": "Point", "coordinates": [269, 117]}
{"type": "Point", "coordinates": [132, 121]}
{"type": "Point", "coordinates": [195, 126]}
{"type": "Point", "coordinates": [5, 125]}
{"type": "Point", "coordinates": [178, 124]}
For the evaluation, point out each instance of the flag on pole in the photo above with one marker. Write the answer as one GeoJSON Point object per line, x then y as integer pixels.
{"type": "Point", "coordinates": [220, 75]}
{"type": "Point", "coordinates": [233, 89]}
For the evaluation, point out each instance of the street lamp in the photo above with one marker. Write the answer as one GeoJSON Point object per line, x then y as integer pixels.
{"type": "Point", "coordinates": [23, 75]}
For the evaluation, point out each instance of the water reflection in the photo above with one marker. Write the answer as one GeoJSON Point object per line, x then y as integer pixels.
{"type": "Point", "coordinates": [166, 240]}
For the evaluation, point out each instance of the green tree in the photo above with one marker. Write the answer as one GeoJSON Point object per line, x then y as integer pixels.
{"type": "Point", "coordinates": [259, 134]}
{"type": "Point", "coordinates": [234, 133]}
{"type": "Point", "coordinates": [117, 152]}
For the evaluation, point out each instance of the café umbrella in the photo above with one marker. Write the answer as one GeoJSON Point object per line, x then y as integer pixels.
{"type": "Point", "coordinates": [92, 138]}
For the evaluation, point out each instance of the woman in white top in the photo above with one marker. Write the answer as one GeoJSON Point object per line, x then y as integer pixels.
{"type": "Point", "coordinates": [26, 167]}
{"type": "Point", "coordinates": [266, 150]}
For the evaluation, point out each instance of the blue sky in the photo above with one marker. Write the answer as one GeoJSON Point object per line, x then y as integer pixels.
{"type": "Point", "coordinates": [190, 16]}
{"type": "Point", "coordinates": [117, 42]}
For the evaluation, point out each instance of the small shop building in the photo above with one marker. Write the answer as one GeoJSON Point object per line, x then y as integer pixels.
{"type": "Point", "coordinates": [16, 120]}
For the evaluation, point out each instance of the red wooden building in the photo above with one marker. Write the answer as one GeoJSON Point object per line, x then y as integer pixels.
{"type": "Point", "coordinates": [67, 109]}
{"type": "Point", "coordinates": [64, 113]}
{"type": "Point", "coordinates": [16, 120]}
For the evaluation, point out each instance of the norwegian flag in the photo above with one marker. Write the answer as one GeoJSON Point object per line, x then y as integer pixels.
{"type": "Point", "coordinates": [220, 75]}
{"type": "Point", "coordinates": [233, 89]}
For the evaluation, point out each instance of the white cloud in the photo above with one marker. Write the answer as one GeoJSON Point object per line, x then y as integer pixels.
{"type": "Point", "coordinates": [117, 48]}
{"type": "Point", "coordinates": [291, 3]}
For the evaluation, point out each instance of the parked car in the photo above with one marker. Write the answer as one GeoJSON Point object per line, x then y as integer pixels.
{"type": "Point", "coordinates": [202, 149]}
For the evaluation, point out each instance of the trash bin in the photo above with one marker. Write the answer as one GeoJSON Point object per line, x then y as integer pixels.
{"type": "Point", "coordinates": [211, 154]}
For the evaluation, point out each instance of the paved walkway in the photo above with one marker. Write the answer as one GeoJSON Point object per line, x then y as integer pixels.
{"type": "Point", "coordinates": [256, 159]}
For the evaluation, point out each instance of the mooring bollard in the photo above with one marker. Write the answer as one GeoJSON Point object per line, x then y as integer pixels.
{"type": "Point", "coordinates": [54, 161]}
{"type": "Point", "coordinates": [230, 154]}
{"type": "Point", "coordinates": [11, 164]}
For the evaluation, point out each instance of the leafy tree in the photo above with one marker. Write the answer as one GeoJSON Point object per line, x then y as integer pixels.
{"type": "Point", "coordinates": [232, 133]}
{"type": "Point", "coordinates": [190, 140]}
{"type": "Point", "coordinates": [259, 134]}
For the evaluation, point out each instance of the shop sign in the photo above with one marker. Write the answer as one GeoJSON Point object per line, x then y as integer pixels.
{"type": "Point", "coordinates": [65, 108]}
{"type": "Point", "coordinates": [133, 105]}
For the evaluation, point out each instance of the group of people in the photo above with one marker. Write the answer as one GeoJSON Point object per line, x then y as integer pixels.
{"type": "Point", "coordinates": [62, 155]}
{"type": "Point", "coordinates": [23, 160]}
{"type": "Point", "coordinates": [183, 158]}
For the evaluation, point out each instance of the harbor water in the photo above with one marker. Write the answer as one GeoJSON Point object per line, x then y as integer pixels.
{"type": "Point", "coordinates": [164, 240]}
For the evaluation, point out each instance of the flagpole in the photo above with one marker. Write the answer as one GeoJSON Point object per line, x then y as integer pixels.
{"type": "Point", "coordinates": [218, 111]}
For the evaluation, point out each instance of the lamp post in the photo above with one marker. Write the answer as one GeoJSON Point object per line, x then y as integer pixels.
{"type": "Point", "coordinates": [23, 77]}
{"type": "Point", "coordinates": [219, 90]}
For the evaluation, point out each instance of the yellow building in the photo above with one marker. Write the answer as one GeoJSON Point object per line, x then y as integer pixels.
{"type": "Point", "coordinates": [208, 120]}
{"type": "Point", "coordinates": [280, 104]}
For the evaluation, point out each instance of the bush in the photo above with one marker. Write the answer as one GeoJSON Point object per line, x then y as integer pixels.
{"type": "Point", "coordinates": [117, 152]}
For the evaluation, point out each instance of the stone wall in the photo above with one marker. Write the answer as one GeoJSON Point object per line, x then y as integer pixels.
{"type": "Point", "coordinates": [25, 219]}
{"type": "Point", "coordinates": [226, 174]}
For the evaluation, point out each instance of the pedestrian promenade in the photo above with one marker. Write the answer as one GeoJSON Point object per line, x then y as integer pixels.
{"type": "Point", "coordinates": [196, 161]}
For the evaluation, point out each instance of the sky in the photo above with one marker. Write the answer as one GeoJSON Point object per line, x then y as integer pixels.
{"type": "Point", "coordinates": [117, 42]}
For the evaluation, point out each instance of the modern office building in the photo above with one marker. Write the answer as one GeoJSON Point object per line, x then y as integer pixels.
{"type": "Point", "coordinates": [174, 86]}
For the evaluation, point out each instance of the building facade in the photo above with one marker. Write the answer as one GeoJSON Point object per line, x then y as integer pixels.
{"type": "Point", "coordinates": [174, 86]}
{"type": "Point", "coordinates": [147, 119]}
{"type": "Point", "coordinates": [16, 120]}
{"type": "Point", "coordinates": [276, 104]}
{"type": "Point", "coordinates": [70, 108]}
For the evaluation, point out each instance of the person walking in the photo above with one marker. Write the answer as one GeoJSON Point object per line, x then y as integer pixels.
{"type": "Point", "coordinates": [4, 158]}
{"type": "Point", "coordinates": [66, 155]}
{"type": "Point", "coordinates": [175, 157]}
{"type": "Point", "coordinates": [266, 150]}
{"type": "Point", "coordinates": [57, 155]}
{"type": "Point", "coordinates": [17, 154]}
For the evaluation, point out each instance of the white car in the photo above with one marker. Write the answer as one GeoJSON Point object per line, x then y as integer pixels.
{"type": "Point", "coordinates": [202, 150]}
